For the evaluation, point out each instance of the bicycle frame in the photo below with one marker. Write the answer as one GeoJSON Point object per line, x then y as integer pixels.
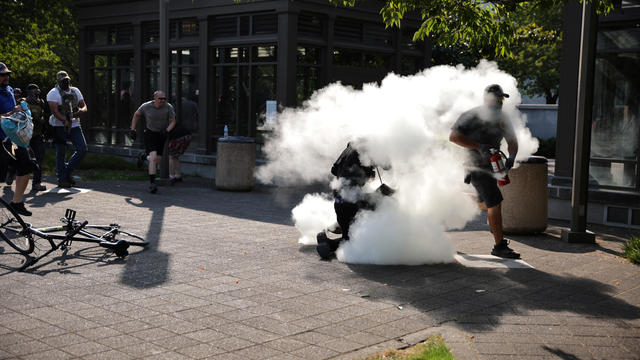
{"type": "Point", "coordinates": [74, 231]}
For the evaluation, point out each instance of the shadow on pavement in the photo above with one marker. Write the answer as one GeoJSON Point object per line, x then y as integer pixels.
{"type": "Point", "coordinates": [477, 298]}
{"type": "Point", "coordinates": [154, 269]}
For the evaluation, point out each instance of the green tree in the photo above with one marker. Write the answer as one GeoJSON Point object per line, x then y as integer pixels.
{"type": "Point", "coordinates": [485, 25]}
{"type": "Point", "coordinates": [536, 50]}
{"type": "Point", "coordinates": [39, 38]}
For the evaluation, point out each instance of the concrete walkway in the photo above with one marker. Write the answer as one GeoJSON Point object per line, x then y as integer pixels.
{"type": "Point", "coordinates": [224, 278]}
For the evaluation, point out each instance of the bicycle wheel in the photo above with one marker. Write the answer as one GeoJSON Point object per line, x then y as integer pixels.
{"type": "Point", "coordinates": [131, 238]}
{"type": "Point", "coordinates": [13, 230]}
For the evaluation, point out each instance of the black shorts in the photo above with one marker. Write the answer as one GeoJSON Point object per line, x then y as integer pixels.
{"type": "Point", "coordinates": [487, 187]}
{"type": "Point", "coordinates": [154, 141]}
{"type": "Point", "coordinates": [19, 158]}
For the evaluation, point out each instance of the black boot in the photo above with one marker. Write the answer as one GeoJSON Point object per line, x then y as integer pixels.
{"type": "Point", "coordinates": [20, 209]}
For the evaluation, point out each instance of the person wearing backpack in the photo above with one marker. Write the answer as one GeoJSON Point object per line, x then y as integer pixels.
{"type": "Point", "coordinates": [12, 154]}
{"type": "Point", "coordinates": [66, 104]}
{"type": "Point", "coordinates": [38, 112]}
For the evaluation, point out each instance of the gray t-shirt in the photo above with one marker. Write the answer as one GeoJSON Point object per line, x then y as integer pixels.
{"type": "Point", "coordinates": [484, 126]}
{"type": "Point", "coordinates": [157, 118]}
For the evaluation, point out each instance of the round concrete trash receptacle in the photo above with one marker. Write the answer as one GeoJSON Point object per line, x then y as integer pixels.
{"type": "Point", "coordinates": [524, 209]}
{"type": "Point", "coordinates": [235, 163]}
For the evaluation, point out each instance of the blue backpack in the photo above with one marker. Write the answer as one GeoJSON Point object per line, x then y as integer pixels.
{"type": "Point", "coordinates": [18, 127]}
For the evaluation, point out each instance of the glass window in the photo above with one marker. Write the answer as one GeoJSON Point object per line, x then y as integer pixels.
{"type": "Point", "coordinates": [184, 90]}
{"type": "Point", "coordinates": [310, 24]}
{"type": "Point", "coordinates": [222, 27]}
{"type": "Point", "coordinates": [111, 102]}
{"type": "Point", "coordinates": [245, 25]}
{"type": "Point", "coordinates": [98, 36]}
{"type": "Point", "coordinates": [343, 57]}
{"type": "Point", "coordinates": [377, 61]}
{"type": "Point", "coordinates": [265, 24]}
{"type": "Point", "coordinates": [243, 85]}
{"type": "Point", "coordinates": [151, 32]}
{"type": "Point", "coordinates": [411, 64]}
{"type": "Point", "coordinates": [619, 39]}
{"type": "Point", "coordinates": [616, 117]}
{"type": "Point", "coordinates": [189, 28]}
{"type": "Point", "coordinates": [264, 53]}
{"type": "Point", "coordinates": [308, 55]}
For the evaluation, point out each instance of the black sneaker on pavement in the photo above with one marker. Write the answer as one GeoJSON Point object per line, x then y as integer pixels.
{"type": "Point", "coordinates": [504, 251]}
{"type": "Point", "coordinates": [38, 187]}
{"type": "Point", "coordinates": [153, 188]}
{"type": "Point", "coordinates": [70, 180]}
{"type": "Point", "coordinates": [64, 184]}
{"type": "Point", "coordinates": [20, 209]}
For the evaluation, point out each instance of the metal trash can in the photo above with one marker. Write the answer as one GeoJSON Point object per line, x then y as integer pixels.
{"type": "Point", "coordinates": [235, 163]}
{"type": "Point", "coordinates": [524, 209]}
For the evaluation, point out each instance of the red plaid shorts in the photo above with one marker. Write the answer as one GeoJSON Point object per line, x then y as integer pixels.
{"type": "Point", "coordinates": [178, 146]}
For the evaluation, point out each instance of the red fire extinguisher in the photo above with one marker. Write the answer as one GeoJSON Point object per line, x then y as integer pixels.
{"type": "Point", "coordinates": [497, 164]}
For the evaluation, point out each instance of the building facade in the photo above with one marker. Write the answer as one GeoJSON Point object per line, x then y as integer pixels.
{"type": "Point", "coordinates": [229, 61]}
{"type": "Point", "coordinates": [614, 168]}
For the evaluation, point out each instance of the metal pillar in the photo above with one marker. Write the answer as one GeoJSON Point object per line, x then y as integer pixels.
{"type": "Point", "coordinates": [163, 80]}
{"type": "Point", "coordinates": [582, 148]}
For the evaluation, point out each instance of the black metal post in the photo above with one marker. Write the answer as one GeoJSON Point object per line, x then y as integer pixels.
{"type": "Point", "coordinates": [163, 80]}
{"type": "Point", "coordinates": [582, 145]}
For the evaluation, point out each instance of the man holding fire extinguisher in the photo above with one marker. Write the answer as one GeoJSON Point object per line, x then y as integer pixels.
{"type": "Point", "coordinates": [481, 130]}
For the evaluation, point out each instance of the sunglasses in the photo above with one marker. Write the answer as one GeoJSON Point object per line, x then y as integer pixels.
{"type": "Point", "coordinates": [164, 98]}
{"type": "Point", "coordinates": [4, 75]}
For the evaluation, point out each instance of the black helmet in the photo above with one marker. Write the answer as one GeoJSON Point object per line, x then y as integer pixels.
{"type": "Point", "coordinates": [496, 90]}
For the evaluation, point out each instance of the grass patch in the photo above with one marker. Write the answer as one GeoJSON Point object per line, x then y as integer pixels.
{"type": "Point", "coordinates": [98, 167]}
{"type": "Point", "coordinates": [631, 249]}
{"type": "Point", "coordinates": [433, 348]}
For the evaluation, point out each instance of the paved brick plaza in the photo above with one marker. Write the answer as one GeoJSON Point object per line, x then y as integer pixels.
{"type": "Point", "coordinates": [225, 278]}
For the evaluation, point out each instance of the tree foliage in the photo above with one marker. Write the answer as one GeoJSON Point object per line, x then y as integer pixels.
{"type": "Point", "coordinates": [536, 50]}
{"type": "Point", "coordinates": [478, 24]}
{"type": "Point", "coordinates": [525, 37]}
{"type": "Point", "coordinates": [39, 38]}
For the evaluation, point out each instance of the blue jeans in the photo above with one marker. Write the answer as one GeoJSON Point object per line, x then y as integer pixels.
{"type": "Point", "coordinates": [64, 169]}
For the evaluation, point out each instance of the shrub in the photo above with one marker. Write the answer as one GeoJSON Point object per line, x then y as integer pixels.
{"type": "Point", "coordinates": [547, 148]}
{"type": "Point", "coordinates": [631, 249]}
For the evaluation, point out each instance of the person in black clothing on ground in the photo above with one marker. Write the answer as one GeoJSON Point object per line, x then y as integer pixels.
{"type": "Point", "coordinates": [479, 130]}
{"type": "Point", "coordinates": [353, 176]}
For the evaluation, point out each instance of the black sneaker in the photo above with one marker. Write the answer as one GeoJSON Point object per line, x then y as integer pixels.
{"type": "Point", "coordinates": [38, 187]}
{"type": "Point", "coordinates": [153, 188]}
{"type": "Point", "coordinates": [20, 209]}
{"type": "Point", "coordinates": [504, 251]}
{"type": "Point", "coordinates": [70, 180]}
{"type": "Point", "coordinates": [173, 181]}
{"type": "Point", "coordinates": [64, 184]}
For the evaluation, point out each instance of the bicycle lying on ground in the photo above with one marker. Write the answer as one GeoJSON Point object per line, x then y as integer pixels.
{"type": "Point", "coordinates": [20, 235]}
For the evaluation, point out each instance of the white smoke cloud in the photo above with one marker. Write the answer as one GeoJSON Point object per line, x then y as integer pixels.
{"type": "Point", "coordinates": [405, 123]}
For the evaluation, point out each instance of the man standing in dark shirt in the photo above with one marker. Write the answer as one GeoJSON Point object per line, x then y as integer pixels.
{"type": "Point", "coordinates": [479, 130]}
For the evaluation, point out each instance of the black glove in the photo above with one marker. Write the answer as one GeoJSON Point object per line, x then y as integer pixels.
{"type": "Point", "coordinates": [509, 163]}
{"type": "Point", "coordinates": [133, 135]}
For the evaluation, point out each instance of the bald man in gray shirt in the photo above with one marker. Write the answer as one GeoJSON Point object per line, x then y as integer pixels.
{"type": "Point", "coordinates": [160, 119]}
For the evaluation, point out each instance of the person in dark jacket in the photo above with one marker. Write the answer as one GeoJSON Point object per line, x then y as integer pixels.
{"type": "Point", "coordinates": [40, 117]}
{"type": "Point", "coordinates": [353, 176]}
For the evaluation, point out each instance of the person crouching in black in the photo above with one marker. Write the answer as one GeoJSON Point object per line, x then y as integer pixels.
{"type": "Point", "coordinates": [353, 177]}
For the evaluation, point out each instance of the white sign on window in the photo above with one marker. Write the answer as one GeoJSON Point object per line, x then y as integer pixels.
{"type": "Point", "coordinates": [271, 113]}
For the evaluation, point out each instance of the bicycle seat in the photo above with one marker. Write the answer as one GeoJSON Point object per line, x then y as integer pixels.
{"type": "Point", "coordinates": [119, 247]}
